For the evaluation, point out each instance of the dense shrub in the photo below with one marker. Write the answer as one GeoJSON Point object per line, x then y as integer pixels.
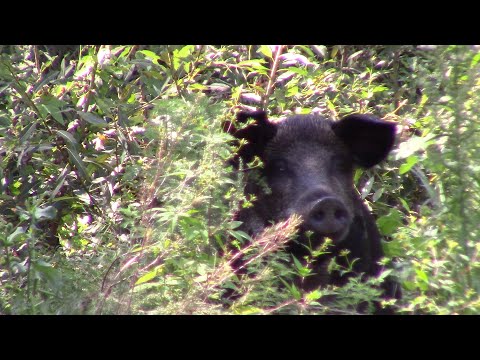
{"type": "Point", "coordinates": [117, 195]}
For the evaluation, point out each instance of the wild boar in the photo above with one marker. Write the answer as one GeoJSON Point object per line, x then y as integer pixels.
{"type": "Point", "coordinates": [308, 167]}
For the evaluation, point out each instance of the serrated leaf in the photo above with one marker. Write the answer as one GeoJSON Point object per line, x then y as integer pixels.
{"type": "Point", "coordinates": [92, 118]}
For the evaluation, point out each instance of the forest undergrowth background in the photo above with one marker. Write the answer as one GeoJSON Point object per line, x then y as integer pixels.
{"type": "Point", "coordinates": [117, 197]}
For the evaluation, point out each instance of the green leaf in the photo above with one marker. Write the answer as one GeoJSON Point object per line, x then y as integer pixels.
{"type": "Point", "coordinates": [60, 182]}
{"type": "Point", "coordinates": [297, 263]}
{"type": "Point", "coordinates": [266, 50]}
{"type": "Point", "coordinates": [4, 121]}
{"type": "Point", "coordinates": [475, 60]}
{"type": "Point", "coordinates": [377, 195]}
{"type": "Point", "coordinates": [334, 51]}
{"type": "Point", "coordinates": [422, 275]}
{"type": "Point", "coordinates": [389, 223]}
{"type": "Point", "coordinates": [380, 88]}
{"type": "Point", "coordinates": [368, 187]}
{"type": "Point", "coordinates": [77, 161]}
{"type": "Point", "coordinates": [148, 276]}
{"type": "Point", "coordinates": [409, 163]}
{"type": "Point", "coordinates": [150, 55]}
{"type": "Point", "coordinates": [295, 292]}
{"type": "Point", "coordinates": [405, 204]}
{"type": "Point", "coordinates": [69, 139]}
{"type": "Point", "coordinates": [234, 224]}
{"type": "Point", "coordinates": [29, 132]}
{"type": "Point", "coordinates": [92, 118]}
{"type": "Point", "coordinates": [313, 295]}
{"type": "Point", "coordinates": [47, 271]}
{"type": "Point", "coordinates": [302, 270]}
{"type": "Point", "coordinates": [185, 51]}
{"type": "Point", "coordinates": [256, 64]}
{"type": "Point", "coordinates": [297, 70]}
{"type": "Point", "coordinates": [239, 235]}
{"type": "Point", "coordinates": [17, 236]}
{"type": "Point", "coordinates": [83, 196]}
{"type": "Point", "coordinates": [248, 310]}
{"type": "Point", "coordinates": [412, 145]}
{"type": "Point", "coordinates": [292, 91]}
{"type": "Point", "coordinates": [51, 105]}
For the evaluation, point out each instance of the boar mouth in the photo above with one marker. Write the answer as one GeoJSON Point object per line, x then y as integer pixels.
{"type": "Point", "coordinates": [316, 238]}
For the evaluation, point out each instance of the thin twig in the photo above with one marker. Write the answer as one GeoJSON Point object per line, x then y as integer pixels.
{"type": "Point", "coordinates": [273, 77]}
{"type": "Point", "coordinates": [37, 59]}
{"type": "Point", "coordinates": [91, 85]}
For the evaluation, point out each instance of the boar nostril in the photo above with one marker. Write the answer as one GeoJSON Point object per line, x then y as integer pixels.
{"type": "Point", "coordinates": [341, 215]}
{"type": "Point", "coordinates": [318, 215]}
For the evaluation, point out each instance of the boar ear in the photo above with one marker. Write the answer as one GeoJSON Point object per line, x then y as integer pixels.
{"type": "Point", "coordinates": [369, 139]}
{"type": "Point", "coordinates": [257, 134]}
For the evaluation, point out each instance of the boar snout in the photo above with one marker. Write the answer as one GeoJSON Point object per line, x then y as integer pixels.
{"type": "Point", "coordinates": [328, 216]}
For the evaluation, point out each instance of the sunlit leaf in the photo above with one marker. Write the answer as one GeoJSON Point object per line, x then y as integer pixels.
{"type": "Point", "coordinates": [47, 213]}
{"type": "Point", "coordinates": [148, 276]}
{"type": "Point", "coordinates": [409, 163]}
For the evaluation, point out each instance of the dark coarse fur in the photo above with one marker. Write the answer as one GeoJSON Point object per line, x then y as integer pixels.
{"type": "Point", "coordinates": [308, 158]}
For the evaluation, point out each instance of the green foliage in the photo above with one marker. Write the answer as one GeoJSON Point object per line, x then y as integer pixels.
{"type": "Point", "coordinates": [116, 194]}
{"type": "Point", "coordinates": [439, 244]}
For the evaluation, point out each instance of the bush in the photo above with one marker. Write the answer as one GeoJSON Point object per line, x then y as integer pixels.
{"type": "Point", "coordinates": [116, 194]}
